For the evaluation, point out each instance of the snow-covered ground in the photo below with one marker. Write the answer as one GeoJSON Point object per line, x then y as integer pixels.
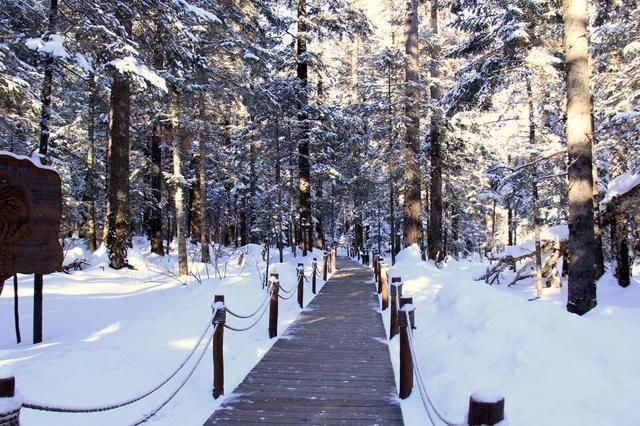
{"type": "Point", "coordinates": [553, 368]}
{"type": "Point", "coordinates": [110, 335]}
{"type": "Point", "coordinates": [114, 334]}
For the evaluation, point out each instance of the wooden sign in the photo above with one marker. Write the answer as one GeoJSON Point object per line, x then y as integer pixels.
{"type": "Point", "coordinates": [30, 215]}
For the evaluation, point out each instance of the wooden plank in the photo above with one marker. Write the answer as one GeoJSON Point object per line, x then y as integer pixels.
{"type": "Point", "coordinates": [333, 368]}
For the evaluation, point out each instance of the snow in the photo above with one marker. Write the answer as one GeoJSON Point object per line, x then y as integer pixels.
{"type": "Point", "coordinates": [54, 46]}
{"type": "Point", "coordinates": [131, 65]}
{"type": "Point", "coordinates": [621, 185]}
{"type": "Point", "coordinates": [35, 160]}
{"type": "Point", "coordinates": [198, 11]}
{"type": "Point", "coordinates": [487, 396]}
{"type": "Point", "coordinates": [552, 367]}
{"type": "Point", "coordinates": [109, 335]}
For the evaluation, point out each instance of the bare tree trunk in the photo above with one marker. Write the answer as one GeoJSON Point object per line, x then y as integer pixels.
{"type": "Point", "coordinates": [205, 231]}
{"type": "Point", "coordinates": [597, 217]}
{"type": "Point", "coordinates": [119, 215]}
{"type": "Point", "coordinates": [45, 122]}
{"type": "Point", "coordinates": [195, 202]}
{"type": "Point", "coordinates": [619, 231]}
{"type": "Point", "coordinates": [90, 176]}
{"type": "Point", "coordinates": [279, 188]}
{"type": "Point", "coordinates": [412, 202]}
{"type": "Point", "coordinates": [534, 187]}
{"type": "Point", "coordinates": [155, 218]}
{"type": "Point", "coordinates": [319, 243]}
{"type": "Point", "coordinates": [436, 249]}
{"type": "Point", "coordinates": [304, 166]}
{"type": "Point", "coordinates": [178, 181]}
{"type": "Point", "coordinates": [582, 288]}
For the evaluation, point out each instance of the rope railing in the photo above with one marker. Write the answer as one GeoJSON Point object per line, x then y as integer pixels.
{"type": "Point", "coordinates": [252, 314]}
{"type": "Point", "coordinates": [427, 401]}
{"type": "Point", "coordinates": [485, 408]}
{"type": "Point", "coordinates": [227, 326]}
{"type": "Point", "coordinates": [11, 412]}
{"type": "Point", "coordinates": [175, 392]}
{"type": "Point", "coordinates": [33, 405]}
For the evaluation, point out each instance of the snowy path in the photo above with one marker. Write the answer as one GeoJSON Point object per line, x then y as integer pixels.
{"type": "Point", "coordinates": [331, 366]}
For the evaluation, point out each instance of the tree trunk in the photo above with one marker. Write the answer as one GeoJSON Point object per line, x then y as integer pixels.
{"type": "Point", "coordinates": [582, 288]}
{"type": "Point", "coordinates": [619, 229]}
{"type": "Point", "coordinates": [178, 181]}
{"type": "Point", "coordinates": [392, 196]}
{"type": "Point", "coordinates": [510, 226]}
{"type": "Point", "coordinates": [205, 231]}
{"type": "Point", "coordinates": [45, 122]}
{"type": "Point", "coordinates": [597, 217]}
{"type": "Point", "coordinates": [155, 213]}
{"type": "Point", "coordinates": [412, 202]}
{"type": "Point", "coordinates": [90, 176]}
{"type": "Point", "coordinates": [195, 202]}
{"type": "Point", "coordinates": [279, 188]}
{"type": "Point", "coordinates": [436, 250]}
{"type": "Point", "coordinates": [319, 243]}
{"type": "Point", "coordinates": [304, 167]}
{"type": "Point", "coordinates": [534, 191]}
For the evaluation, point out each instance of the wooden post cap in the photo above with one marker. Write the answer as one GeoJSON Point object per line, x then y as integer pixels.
{"type": "Point", "coordinates": [486, 407]}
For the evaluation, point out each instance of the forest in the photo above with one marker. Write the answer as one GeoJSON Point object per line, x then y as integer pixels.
{"type": "Point", "coordinates": [458, 125]}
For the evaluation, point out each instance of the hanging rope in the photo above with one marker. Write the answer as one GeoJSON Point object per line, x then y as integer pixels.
{"type": "Point", "coordinates": [186, 379]}
{"type": "Point", "coordinates": [61, 409]}
{"type": "Point", "coordinates": [427, 401]}
{"type": "Point", "coordinates": [250, 315]}
{"type": "Point", "coordinates": [252, 325]}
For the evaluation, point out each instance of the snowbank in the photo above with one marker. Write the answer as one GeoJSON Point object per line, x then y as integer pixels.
{"type": "Point", "coordinates": [552, 367]}
{"type": "Point", "coordinates": [113, 334]}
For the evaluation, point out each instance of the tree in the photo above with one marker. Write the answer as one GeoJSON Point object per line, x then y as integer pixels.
{"type": "Point", "coordinates": [412, 200]}
{"type": "Point", "coordinates": [582, 288]}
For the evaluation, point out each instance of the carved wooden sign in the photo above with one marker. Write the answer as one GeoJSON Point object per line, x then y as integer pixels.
{"type": "Point", "coordinates": [30, 215]}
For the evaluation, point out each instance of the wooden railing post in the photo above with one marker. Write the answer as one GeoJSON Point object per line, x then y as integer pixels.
{"type": "Point", "coordinates": [325, 268]}
{"type": "Point", "coordinates": [9, 404]}
{"type": "Point", "coordinates": [375, 268]}
{"type": "Point", "coordinates": [273, 306]}
{"type": "Point", "coordinates": [314, 274]}
{"type": "Point", "coordinates": [300, 270]}
{"type": "Point", "coordinates": [384, 289]}
{"type": "Point", "coordinates": [485, 408]}
{"type": "Point", "coordinates": [333, 260]}
{"type": "Point", "coordinates": [406, 360]}
{"type": "Point", "coordinates": [218, 337]}
{"type": "Point", "coordinates": [396, 292]}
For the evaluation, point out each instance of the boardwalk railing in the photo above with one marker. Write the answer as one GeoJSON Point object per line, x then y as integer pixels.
{"type": "Point", "coordinates": [485, 407]}
{"type": "Point", "coordinates": [11, 403]}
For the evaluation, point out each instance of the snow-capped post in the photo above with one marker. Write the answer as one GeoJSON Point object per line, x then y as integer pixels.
{"type": "Point", "coordinates": [313, 275]}
{"type": "Point", "coordinates": [384, 269]}
{"type": "Point", "coordinates": [10, 404]}
{"type": "Point", "coordinates": [406, 361]}
{"type": "Point", "coordinates": [486, 407]}
{"type": "Point", "coordinates": [218, 335]}
{"type": "Point", "coordinates": [273, 305]}
{"type": "Point", "coordinates": [300, 285]}
{"type": "Point", "coordinates": [325, 268]}
{"type": "Point", "coordinates": [396, 292]}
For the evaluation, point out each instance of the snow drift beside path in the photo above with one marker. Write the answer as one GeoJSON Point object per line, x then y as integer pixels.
{"type": "Point", "coordinates": [554, 368]}
{"type": "Point", "coordinates": [110, 335]}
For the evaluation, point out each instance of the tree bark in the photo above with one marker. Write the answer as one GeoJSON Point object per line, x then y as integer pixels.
{"type": "Point", "coordinates": [279, 188]}
{"type": "Point", "coordinates": [178, 181]}
{"type": "Point", "coordinates": [534, 191]}
{"type": "Point", "coordinates": [412, 202]}
{"type": "Point", "coordinates": [436, 246]}
{"type": "Point", "coordinates": [155, 213]}
{"type": "Point", "coordinates": [304, 166]}
{"type": "Point", "coordinates": [619, 228]}
{"type": "Point", "coordinates": [597, 217]}
{"type": "Point", "coordinates": [205, 232]}
{"type": "Point", "coordinates": [90, 192]}
{"type": "Point", "coordinates": [582, 288]}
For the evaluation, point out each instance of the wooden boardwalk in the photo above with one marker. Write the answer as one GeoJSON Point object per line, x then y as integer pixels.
{"type": "Point", "coordinates": [332, 365]}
